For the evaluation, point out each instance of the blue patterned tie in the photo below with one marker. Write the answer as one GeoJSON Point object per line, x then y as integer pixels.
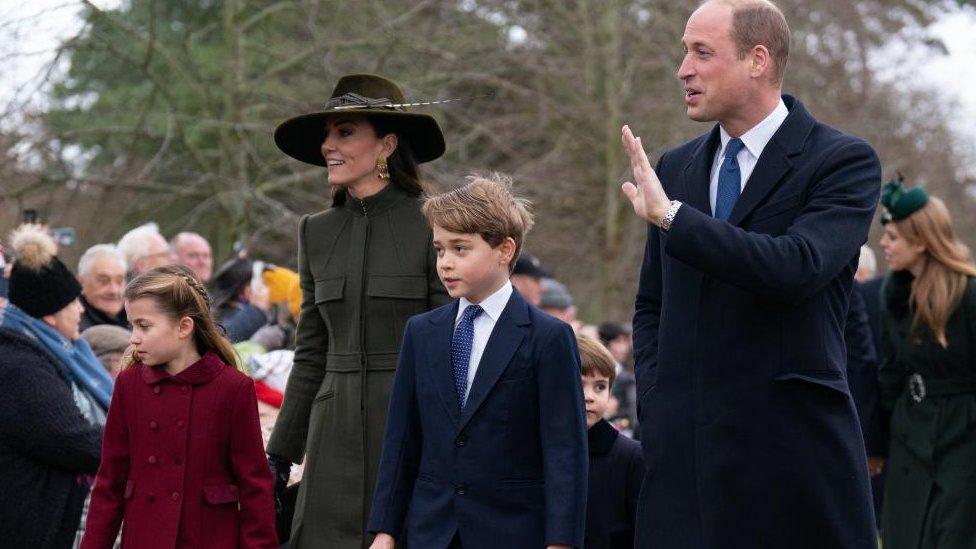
{"type": "Point", "coordinates": [461, 350]}
{"type": "Point", "coordinates": [729, 180]}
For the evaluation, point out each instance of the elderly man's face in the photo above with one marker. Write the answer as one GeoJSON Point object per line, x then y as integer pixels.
{"type": "Point", "coordinates": [717, 83]}
{"type": "Point", "coordinates": [102, 285]}
{"type": "Point", "coordinates": [157, 255]}
{"type": "Point", "coordinates": [194, 252]}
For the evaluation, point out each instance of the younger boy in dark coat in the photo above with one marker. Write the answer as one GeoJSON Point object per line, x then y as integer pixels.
{"type": "Point", "coordinates": [616, 464]}
{"type": "Point", "coordinates": [485, 442]}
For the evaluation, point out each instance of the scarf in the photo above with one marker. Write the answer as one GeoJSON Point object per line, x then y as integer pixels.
{"type": "Point", "coordinates": [85, 369]}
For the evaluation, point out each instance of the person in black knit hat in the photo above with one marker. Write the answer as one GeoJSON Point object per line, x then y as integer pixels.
{"type": "Point", "coordinates": [54, 404]}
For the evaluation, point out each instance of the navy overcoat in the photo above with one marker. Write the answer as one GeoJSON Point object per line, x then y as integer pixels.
{"type": "Point", "coordinates": [750, 434]}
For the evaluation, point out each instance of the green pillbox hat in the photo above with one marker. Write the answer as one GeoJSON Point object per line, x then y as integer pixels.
{"type": "Point", "coordinates": [900, 202]}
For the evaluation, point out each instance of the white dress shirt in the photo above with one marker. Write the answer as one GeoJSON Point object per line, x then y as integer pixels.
{"type": "Point", "coordinates": [755, 140]}
{"type": "Point", "coordinates": [484, 323]}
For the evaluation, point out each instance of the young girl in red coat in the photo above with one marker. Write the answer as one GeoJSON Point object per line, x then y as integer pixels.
{"type": "Point", "coordinates": [182, 459]}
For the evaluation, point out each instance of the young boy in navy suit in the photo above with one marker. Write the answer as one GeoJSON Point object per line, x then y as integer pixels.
{"type": "Point", "coordinates": [485, 442]}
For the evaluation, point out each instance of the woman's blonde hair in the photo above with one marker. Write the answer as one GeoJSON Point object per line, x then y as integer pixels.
{"type": "Point", "coordinates": [178, 294]}
{"type": "Point", "coordinates": [939, 287]}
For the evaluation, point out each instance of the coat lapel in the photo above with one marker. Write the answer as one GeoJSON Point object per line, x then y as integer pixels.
{"type": "Point", "coordinates": [505, 339]}
{"type": "Point", "coordinates": [698, 172]}
{"type": "Point", "coordinates": [439, 351]}
{"type": "Point", "coordinates": [774, 163]}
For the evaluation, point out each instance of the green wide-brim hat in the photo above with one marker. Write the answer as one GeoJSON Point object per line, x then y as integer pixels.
{"type": "Point", "coordinates": [900, 202]}
{"type": "Point", "coordinates": [361, 94]}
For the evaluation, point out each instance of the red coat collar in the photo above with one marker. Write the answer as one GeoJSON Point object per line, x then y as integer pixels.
{"type": "Point", "coordinates": [197, 373]}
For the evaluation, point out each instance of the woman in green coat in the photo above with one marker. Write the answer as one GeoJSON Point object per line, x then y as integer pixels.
{"type": "Point", "coordinates": [928, 376]}
{"type": "Point", "coordinates": [366, 265]}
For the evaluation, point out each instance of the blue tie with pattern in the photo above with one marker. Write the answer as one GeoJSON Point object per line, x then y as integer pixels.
{"type": "Point", "coordinates": [729, 180]}
{"type": "Point", "coordinates": [461, 350]}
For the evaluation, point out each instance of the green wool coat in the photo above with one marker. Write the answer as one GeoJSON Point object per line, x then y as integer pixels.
{"type": "Point", "coordinates": [930, 492]}
{"type": "Point", "coordinates": [366, 267]}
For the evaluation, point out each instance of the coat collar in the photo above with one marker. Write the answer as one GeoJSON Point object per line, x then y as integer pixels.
{"type": "Point", "coordinates": [376, 204]}
{"type": "Point", "coordinates": [774, 163]}
{"type": "Point", "coordinates": [198, 373]}
{"type": "Point", "coordinates": [98, 317]}
{"type": "Point", "coordinates": [601, 437]}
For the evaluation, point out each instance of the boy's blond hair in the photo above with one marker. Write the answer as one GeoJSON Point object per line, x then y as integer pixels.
{"type": "Point", "coordinates": [595, 359]}
{"type": "Point", "coordinates": [484, 206]}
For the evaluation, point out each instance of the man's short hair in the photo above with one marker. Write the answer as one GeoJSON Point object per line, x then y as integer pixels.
{"type": "Point", "coordinates": [95, 252]}
{"type": "Point", "coordinates": [180, 238]}
{"type": "Point", "coordinates": [484, 206]}
{"type": "Point", "coordinates": [134, 244]}
{"type": "Point", "coordinates": [760, 22]}
{"type": "Point", "coordinates": [595, 359]}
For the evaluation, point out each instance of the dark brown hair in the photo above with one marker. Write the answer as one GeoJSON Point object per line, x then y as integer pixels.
{"type": "Point", "coordinates": [402, 163]}
{"type": "Point", "coordinates": [595, 359]}
{"type": "Point", "coordinates": [177, 293]}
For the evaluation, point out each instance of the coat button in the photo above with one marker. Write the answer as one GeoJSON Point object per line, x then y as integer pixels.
{"type": "Point", "coordinates": [175, 496]}
{"type": "Point", "coordinates": [462, 490]}
{"type": "Point", "coordinates": [153, 425]}
{"type": "Point", "coordinates": [180, 423]}
{"type": "Point", "coordinates": [150, 497]}
{"type": "Point", "coordinates": [152, 460]}
{"type": "Point", "coordinates": [156, 389]}
{"type": "Point", "coordinates": [178, 460]}
{"type": "Point", "coordinates": [185, 389]}
{"type": "Point", "coordinates": [461, 440]}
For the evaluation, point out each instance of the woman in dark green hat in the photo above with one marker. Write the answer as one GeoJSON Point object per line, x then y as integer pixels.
{"type": "Point", "coordinates": [928, 375]}
{"type": "Point", "coordinates": [366, 265]}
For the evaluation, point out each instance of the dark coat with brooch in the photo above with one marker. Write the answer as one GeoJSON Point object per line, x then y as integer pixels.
{"type": "Point", "coordinates": [750, 434]}
{"type": "Point", "coordinates": [616, 471]}
{"type": "Point", "coordinates": [46, 448]}
{"type": "Point", "coordinates": [183, 464]}
{"type": "Point", "coordinates": [930, 493]}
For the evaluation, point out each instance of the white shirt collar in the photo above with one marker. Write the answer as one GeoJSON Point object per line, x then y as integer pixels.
{"type": "Point", "coordinates": [756, 139]}
{"type": "Point", "coordinates": [493, 305]}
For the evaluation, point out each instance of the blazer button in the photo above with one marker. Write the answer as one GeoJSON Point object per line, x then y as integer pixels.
{"type": "Point", "coordinates": [176, 496]}
{"type": "Point", "coordinates": [461, 440]}
{"type": "Point", "coordinates": [152, 460]}
{"type": "Point", "coordinates": [153, 425]}
{"type": "Point", "coordinates": [150, 497]}
{"type": "Point", "coordinates": [156, 389]}
{"type": "Point", "coordinates": [461, 490]}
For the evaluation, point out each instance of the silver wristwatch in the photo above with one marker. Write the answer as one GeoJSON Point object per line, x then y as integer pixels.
{"type": "Point", "coordinates": [669, 216]}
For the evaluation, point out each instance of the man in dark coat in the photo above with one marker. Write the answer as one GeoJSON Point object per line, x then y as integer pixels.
{"type": "Point", "coordinates": [739, 319]}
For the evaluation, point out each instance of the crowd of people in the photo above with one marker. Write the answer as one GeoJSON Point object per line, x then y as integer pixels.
{"type": "Point", "coordinates": [420, 379]}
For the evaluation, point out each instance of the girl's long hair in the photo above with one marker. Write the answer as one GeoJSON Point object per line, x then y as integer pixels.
{"type": "Point", "coordinates": [177, 293]}
{"type": "Point", "coordinates": [402, 164]}
{"type": "Point", "coordinates": [939, 288]}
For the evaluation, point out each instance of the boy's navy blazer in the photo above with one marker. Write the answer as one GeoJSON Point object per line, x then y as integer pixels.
{"type": "Point", "coordinates": [750, 434]}
{"type": "Point", "coordinates": [510, 469]}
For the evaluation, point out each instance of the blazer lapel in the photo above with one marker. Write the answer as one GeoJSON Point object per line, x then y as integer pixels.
{"type": "Point", "coordinates": [698, 172]}
{"type": "Point", "coordinates": [774, 163]}
{"type": "Point", "coordinates": [505, 339]}
{"type": "Point", "coordinates": [439, 352]}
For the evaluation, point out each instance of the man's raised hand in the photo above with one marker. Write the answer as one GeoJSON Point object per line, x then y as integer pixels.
{"type": "Point", "coordinates": [646, 194]}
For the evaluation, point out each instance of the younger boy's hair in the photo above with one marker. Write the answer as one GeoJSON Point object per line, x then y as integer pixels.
{"type": "Point", "coordinates": [595, 359]}
{"type": "Point", "coordinates": [484, 206]}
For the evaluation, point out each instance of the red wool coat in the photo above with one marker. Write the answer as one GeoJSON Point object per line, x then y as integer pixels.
{"type": "Point", "coordinates": [183, 464]}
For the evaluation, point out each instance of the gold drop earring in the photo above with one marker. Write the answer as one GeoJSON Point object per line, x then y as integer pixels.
{"type": "Point", "coordinates": [382, 168]}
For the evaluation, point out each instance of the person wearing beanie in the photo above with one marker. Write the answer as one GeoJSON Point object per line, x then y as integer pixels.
{"type": "Point", "coordinates": [56, 393]}
{"type": "Point", "coordinates": [557, 301]}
